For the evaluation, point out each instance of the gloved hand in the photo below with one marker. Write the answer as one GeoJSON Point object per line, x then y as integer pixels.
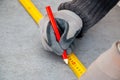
{"type": "Point", "coordinates": [69, 25]}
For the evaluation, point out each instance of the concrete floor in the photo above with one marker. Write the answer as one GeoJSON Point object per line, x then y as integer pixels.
{"type": "Point", "coordinates": [21, 54]}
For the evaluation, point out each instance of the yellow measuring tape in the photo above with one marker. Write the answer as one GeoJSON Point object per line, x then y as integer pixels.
{"type": "Point", "coordinates": [32, 10]}
{"type": "Point", "coordinates": [76, 66]}
{"type": "Point", "coordinates": [73, 62]}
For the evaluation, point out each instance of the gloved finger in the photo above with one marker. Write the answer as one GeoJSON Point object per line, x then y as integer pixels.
{"type": "Point", "coordinates": [56, 47]}
{"type": "Point", "coordinates": [66, 30]}
{"type": "Point", "coordinates": [70, 33]}
{"type": "Point", "coordinates": [43, 35]}
{"type": "Point", "coordinates": [75, 23]}
{"type": "Point", "coordinates": [52, 41]}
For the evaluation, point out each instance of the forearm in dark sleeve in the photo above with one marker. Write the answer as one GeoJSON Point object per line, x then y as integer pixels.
{"type": "Point", "coordinates": [91, 11]}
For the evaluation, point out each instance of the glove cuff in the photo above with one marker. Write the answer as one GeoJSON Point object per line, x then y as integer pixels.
{"type": "Point", "coordinates": [91, 11]}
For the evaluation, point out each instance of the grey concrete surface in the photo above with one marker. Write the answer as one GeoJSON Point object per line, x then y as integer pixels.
{"type": "Point", "coordinates": [21, 54]}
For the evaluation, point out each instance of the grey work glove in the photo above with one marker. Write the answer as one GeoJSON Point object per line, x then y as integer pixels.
{"type": "Point", "coordinates": [90, 11]}
{"type": "Point", "coordinates": [69, 25]}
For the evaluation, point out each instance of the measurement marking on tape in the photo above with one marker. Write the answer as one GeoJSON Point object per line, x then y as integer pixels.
{"type": "Point", "coordinates": [76, 66]}
{"type": "Point", "coordinates": [73, 62]}
{"type": "Point", "coordinates": [32, 10]}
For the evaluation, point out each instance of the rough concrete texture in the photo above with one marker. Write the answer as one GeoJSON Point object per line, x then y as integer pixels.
{"type": "Point", "coordinates": [21, 54]}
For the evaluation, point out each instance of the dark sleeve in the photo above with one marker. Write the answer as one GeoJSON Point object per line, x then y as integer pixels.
{"type": "Point", "coordinates": [91, 11]}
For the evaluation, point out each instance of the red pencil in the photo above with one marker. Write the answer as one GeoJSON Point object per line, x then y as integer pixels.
{"type": "Point", "coordinates": [56, 31]}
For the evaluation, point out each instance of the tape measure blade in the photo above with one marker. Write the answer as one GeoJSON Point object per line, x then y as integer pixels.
{"type": "Point", "coordinates": [76, 66]}
{"type": "Point", "coordinates": [32, 10]}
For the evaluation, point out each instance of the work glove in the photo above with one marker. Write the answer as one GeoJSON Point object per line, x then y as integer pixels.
{"type": "Point", "coordinates": [90, 11]}
{"type": "Point", "coordinates": [69, 25]}
{"type": "Point", "coordinates": [105, 67]}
